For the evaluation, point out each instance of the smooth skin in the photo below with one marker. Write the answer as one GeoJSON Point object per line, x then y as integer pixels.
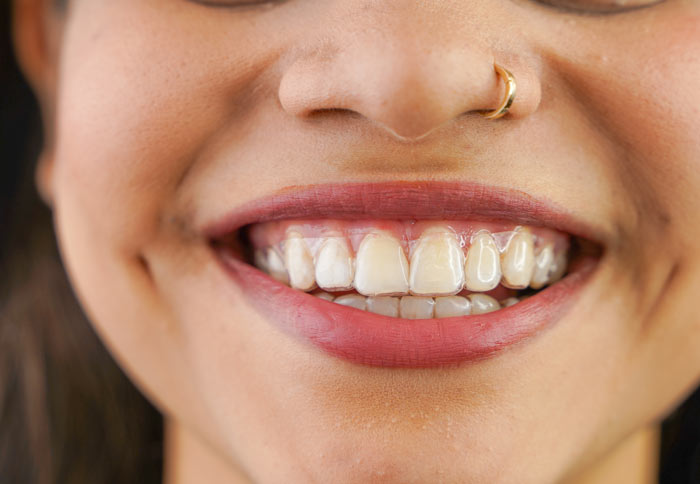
{"type": "Point", "coordinates": [163, 115]}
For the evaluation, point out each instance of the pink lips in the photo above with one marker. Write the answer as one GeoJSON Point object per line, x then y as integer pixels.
{"type": "Point", "coordinates": [365, 338]}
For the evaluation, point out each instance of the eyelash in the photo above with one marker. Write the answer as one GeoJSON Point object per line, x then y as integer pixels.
{"type": "Point", "coordinates": [236, 3]}
{"type": "Point", "coordinates": [593, 12]}
{"type": "Point", "coordinates": [551, 4]}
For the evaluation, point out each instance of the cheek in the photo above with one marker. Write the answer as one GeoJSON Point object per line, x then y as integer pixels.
{"type": "Point", "coordinates": [136, 106]}
{"type": "Point", "coordinates": [647, 96]}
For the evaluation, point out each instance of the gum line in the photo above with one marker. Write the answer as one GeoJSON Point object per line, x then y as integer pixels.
{"type": "Point", "coordinates": [407, 232]}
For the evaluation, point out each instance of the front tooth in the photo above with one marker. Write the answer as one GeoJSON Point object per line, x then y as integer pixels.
{"type": "Point", "coordinates": [381, 266]}
{"type": "Point", "coordinates": [482, 268]}
{"type": "Point", "coordinates": [352, 300]}
{"type": "Point", "coordinates": [519, 260]}
{"type": "Point", "coordinates": [334, 265]}
{"type": "Point", "coordinates": [275, 266]}
{"type": "Point", "coordinates": [415, 307]}
{"type": "Point", "coordinates": [450, 306]}
{"type": "Point", "coordinates": [543, 263]}
{"type": "Point", "coordinates": [299, 262]}
{"type": "Point", "coordinates": [558, 268]}
{"type": "Point", "coordinates": [325, 296]}
{"type": "Point", "coordinates": [384, 305]}
{"type": "Point", "coordinates": [437, 265]}
{"type": "Point", "coordinates": [482, 304]}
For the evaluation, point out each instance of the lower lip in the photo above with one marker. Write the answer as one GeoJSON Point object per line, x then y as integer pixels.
{"type": "Point", "coordinates": [369, 339]}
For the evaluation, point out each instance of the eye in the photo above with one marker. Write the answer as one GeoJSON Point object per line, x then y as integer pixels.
{"type": "Point", "coordinates": [600, 7]}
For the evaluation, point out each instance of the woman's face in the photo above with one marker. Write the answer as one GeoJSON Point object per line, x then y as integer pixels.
{"type": "Point", "coordinates": [178, 122]}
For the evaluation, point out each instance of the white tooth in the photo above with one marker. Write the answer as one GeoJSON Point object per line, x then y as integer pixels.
{"type": "Point", "coordinates": [384, 305]}
{"type": "Point", "coordinates": [519, 260]}
{"type": "Point", "coordinates": [437, 265]}
{"type": "Point", "coordinates": [558, 268]}
{"type": "Point", "coordinates": [482, 268]}
{"type": "Point", "coordinates": [325, 296]}
{"type": "Point", "coordinates": [511, 301]}
{"type": "Point", "coordinates": [450, 306]}
{"type": "Point", "coordinates": [352, 300]}
{"type": "Point", "coordinates": [482, 304]}
{"type": "Point", "coordinates": [260, 260]}
{"type": "Point", "coordinates": [334, 265]}
{"type": "Point", "coordinates": [381, 266]}
{"type": "Point", "coordinates": [543, 263]}
{"type": "Point", "coordinates": [275, 266]}
{"type": "Point", "coordinates": [414, 307]}
{"type": "Point", "coordinates": [299, 262]}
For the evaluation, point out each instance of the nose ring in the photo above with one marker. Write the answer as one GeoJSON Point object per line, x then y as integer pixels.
{"type": "Point", "coordinates": [508, 99]}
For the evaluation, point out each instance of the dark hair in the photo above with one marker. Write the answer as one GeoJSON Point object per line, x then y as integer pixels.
{"type": "Point", "coordinates": [67, 412]}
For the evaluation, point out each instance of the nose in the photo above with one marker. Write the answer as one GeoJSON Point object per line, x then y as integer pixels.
{"type": "Point", "coordinates": [401, 75]}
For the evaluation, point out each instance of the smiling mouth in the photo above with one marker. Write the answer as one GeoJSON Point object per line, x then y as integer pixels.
{"type": "Point", "coordinates": [406, 274]}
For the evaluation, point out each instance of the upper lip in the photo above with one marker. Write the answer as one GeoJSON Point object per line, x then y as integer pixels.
{"type": "Point", "coordinates": [422, 200]}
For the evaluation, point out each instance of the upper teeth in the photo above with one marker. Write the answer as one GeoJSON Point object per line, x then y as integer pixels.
{"type": "Point", "coordinates": [483, 266]}
{"type": "Point", "coordinates": [438, 266]}
{"type": "Point", "coordinates": [381, 266]}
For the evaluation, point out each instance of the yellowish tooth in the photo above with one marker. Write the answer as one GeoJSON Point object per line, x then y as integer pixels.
{"type": "Point", "coordinates": [299, 262]}
{"type": "Point", "coordinates": [325, 296]}
{"type": "Point", "coordinates": [275, 266]}
{"type": "Point", "coordinates": [381, 266]}
{"type": "Point", "coordinates": [482, 268]}
{"type": "Point", "coordinates": [437, 265]}
{"type": "Point", "coordinates": [334, 265]}
{"type": "Point", "coordinates": [482, 304]}
{"type": "Point", "coordinates": [352, 300]}
{"type": "Point", "coordinates": [558, 268]}
{"type": "Point", "coordinates": [511, 301]}
{"type": "Point", "coordinates": [384, 305]}
{"type": "Point", "coordinates": [415, 307]}
{"type": "Point", "coordinates": [450, 306]}
{"type": "Point", "coordinates": [519, 260]}
{"type": "Point", "coordinates": [543, 262]}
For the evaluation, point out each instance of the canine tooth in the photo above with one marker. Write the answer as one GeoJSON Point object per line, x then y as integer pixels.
{"type": "Point", "coordinates": [558, 268]}
{"type": "Point", "coordinates": [416, 307]}
{"type": "Point", "coordinates": [482, 304]}
{"type": "Point", "coordinates": [450, 306]}
{"type": "Point", "coordinates": [334, 265]}
{"type": "Point", "coordinates": [482, 268]}
{"type": "Point", "coordinates": [260, 260]}
{"type": "Point", "coordinates": [511, 301]}
{"type": "Point", "coordinates": [275, 266]}
{"type": "Point", "coordinates": [437, 265]}
{"type": "Point", "coordinates": [384, 305]}
{"type": "Point", "coordinates": [381, 266]}
{"type": "Point", "coordinates": [352, 300]}
{"type": "Point", "coordinates": [299, 262]}
{"type": "Point", "coordinates": [325, 296]}
{"type": "Point", "coordinates": [519, 260]}
{"type": "Point", "coordinates": [543, 263]}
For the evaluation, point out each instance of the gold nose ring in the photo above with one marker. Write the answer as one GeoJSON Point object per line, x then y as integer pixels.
{"type": "Point", "coordinates": [508, 99]}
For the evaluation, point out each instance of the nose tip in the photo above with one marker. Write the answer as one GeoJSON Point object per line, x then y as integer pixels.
{"type": "Point", "coordinates": [406, 88]}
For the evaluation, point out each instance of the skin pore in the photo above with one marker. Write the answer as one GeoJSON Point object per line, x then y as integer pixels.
{"type": "Point", "coordinates": [163, 115]}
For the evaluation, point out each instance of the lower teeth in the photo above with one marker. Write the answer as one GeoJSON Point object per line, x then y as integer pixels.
{"type": "Point", "coordinates": [419, 307]}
